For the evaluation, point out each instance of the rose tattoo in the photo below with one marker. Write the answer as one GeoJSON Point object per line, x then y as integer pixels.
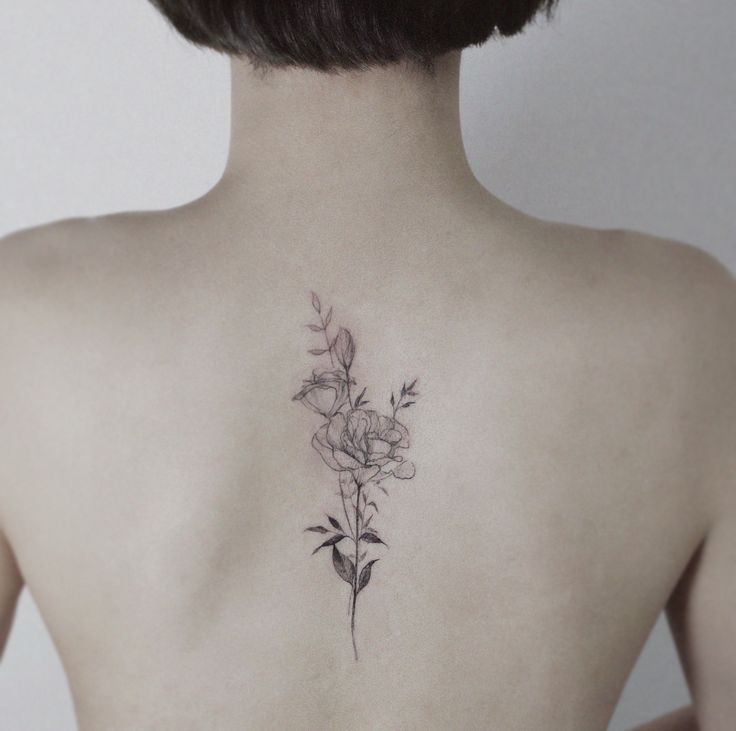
{"type": "Point", "coordinates": [363, 446]}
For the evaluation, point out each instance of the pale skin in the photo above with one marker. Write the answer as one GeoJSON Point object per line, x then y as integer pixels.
{"type": "Point", "coordinates": [574, 444]}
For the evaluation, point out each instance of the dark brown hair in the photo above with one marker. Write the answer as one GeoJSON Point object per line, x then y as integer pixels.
{"type": "Point", "coordinates": [346, 34]}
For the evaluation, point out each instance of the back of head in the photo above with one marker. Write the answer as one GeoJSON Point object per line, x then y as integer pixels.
{"type": "Point", "coordinates": [330, 35]}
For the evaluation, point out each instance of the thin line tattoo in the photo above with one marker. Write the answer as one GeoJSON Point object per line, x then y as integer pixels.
{"type": "Point", "coordinates": [361, 445]}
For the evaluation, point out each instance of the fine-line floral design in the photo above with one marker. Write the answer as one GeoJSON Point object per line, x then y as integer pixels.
{"type": "Point", "coordinates": [363, 446]}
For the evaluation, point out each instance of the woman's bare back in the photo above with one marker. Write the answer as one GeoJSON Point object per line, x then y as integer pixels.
{"type": "Point", "coordinates": [157, 478]}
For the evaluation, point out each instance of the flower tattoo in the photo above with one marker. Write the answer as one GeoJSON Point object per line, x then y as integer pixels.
{"type": "Point", "coordinates": [363, 446]}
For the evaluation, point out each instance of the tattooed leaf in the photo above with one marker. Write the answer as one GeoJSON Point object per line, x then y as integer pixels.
{"type": "Point", "coordinates": [368, 522]}
{"type": "Point", "coordinates": [403, 390]}
{"type": "Point", "coordinates": [316, 303]}
{"type": "Point", "coordinates": [318, 351]}
{"type": "Point", "coordinates": [315, 328]}
{"type": "Point", "coordinates": [344, 348]}
{"type": "Point", "coordinates": [393, 400]}
{"type": "Point", "coordinates": [408, 404]}
{"type": "Point", "coordinates": [373, 504]}
{"type": "Point", "coordinates": [317, 529]}
{"type": "Point", "coordinates": [335, 523]}
{"type": "Point", "coordinates": [370, 537]}
{"type": "Point", "coordinates": [410, 387]}
{"type": "Point", "coordinates": [365, 575]}
{"type": "Point", "coordinates": [328, 317]}
{"type": "Point", "coordinates": [329, 542]}
{"type": "Point", "coordinates": [343, 565]}
{"type": "Point", "coordinates": [359, 400]}
{"type": "Point", "coordinates": [363, 555]}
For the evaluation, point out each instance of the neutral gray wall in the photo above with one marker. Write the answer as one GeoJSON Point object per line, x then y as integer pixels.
{"type": "Point", "coordinates": [621, 113]}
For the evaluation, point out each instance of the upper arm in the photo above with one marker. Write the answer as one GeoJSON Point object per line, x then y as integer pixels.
{"type": "Point", "coordinates": [702, 615]}
{"type": "Point", "coordinates": [30, 261]}
{"type": "Point", "coordinates": [11, 583]}
{"type": "Point", "coordinates": [702, 610]}
{"type": "Point", "coordinates": [35, 264]}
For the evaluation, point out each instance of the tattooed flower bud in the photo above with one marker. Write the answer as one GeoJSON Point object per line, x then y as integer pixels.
{"type": "Point", "coordinates": [366, 444]}
{"type": "Point", "coordinates": [325, 393]}
{"type": "Point", "coordinates": [344, 348]}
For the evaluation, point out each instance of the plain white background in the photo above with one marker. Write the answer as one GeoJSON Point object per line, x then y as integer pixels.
{"type": "Point", "coordinates": [619, 114]}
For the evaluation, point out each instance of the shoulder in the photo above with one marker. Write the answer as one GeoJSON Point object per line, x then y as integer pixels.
{"type": "Point", "coordinates": [626, 257]}
{"type": "Point", "coordinates": [62, 244]}
{"type": "Point", "coordinates": [65, 262]}
{"type": "Point", "coordinates": [655, 320]}
{"type": "Point", "coordinates": [667, 309]}
{"type": "Point", "coordinates": [682, 289]}
{"type": "Point", "coordinates": [672, 298]}
{"type": "Point", "coordinates": [701, 293]}
{"type": "Point", "coordinates": [70, 294]}
{"type": "Point", "coordinates": [63, 282]}
{"type": "Point", "coordinates": [648, 281]}
{"type": "Point", "coordinates": [55, 253]}
{"type": "Point", "coordinates": [678, 269]}
{"type": "Point", "coordinates": [693, 295]}
{"type": "Point", "coordinates": [36, 265]}
{"type": "Point", "coordinates": [120, 245]}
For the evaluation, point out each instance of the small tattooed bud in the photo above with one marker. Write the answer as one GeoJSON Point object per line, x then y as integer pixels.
{"type": "Point", "coordinates": [325, 393]}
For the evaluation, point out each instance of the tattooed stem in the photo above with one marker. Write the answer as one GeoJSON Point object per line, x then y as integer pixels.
{"type": "Point", "coordinates": [345, 510]}
{"type": "Point", "coordinates": [347, 380]}
{"type": "Point", "coordinates": [357, 573]}
{"type": "Point", "coordinates": [398, 405]}
{"type": "Point", "coordinates": [325, 325]}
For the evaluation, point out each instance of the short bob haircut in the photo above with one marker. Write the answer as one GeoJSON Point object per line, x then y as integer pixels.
{"type": "Point", "coordinates": [330, 35]}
